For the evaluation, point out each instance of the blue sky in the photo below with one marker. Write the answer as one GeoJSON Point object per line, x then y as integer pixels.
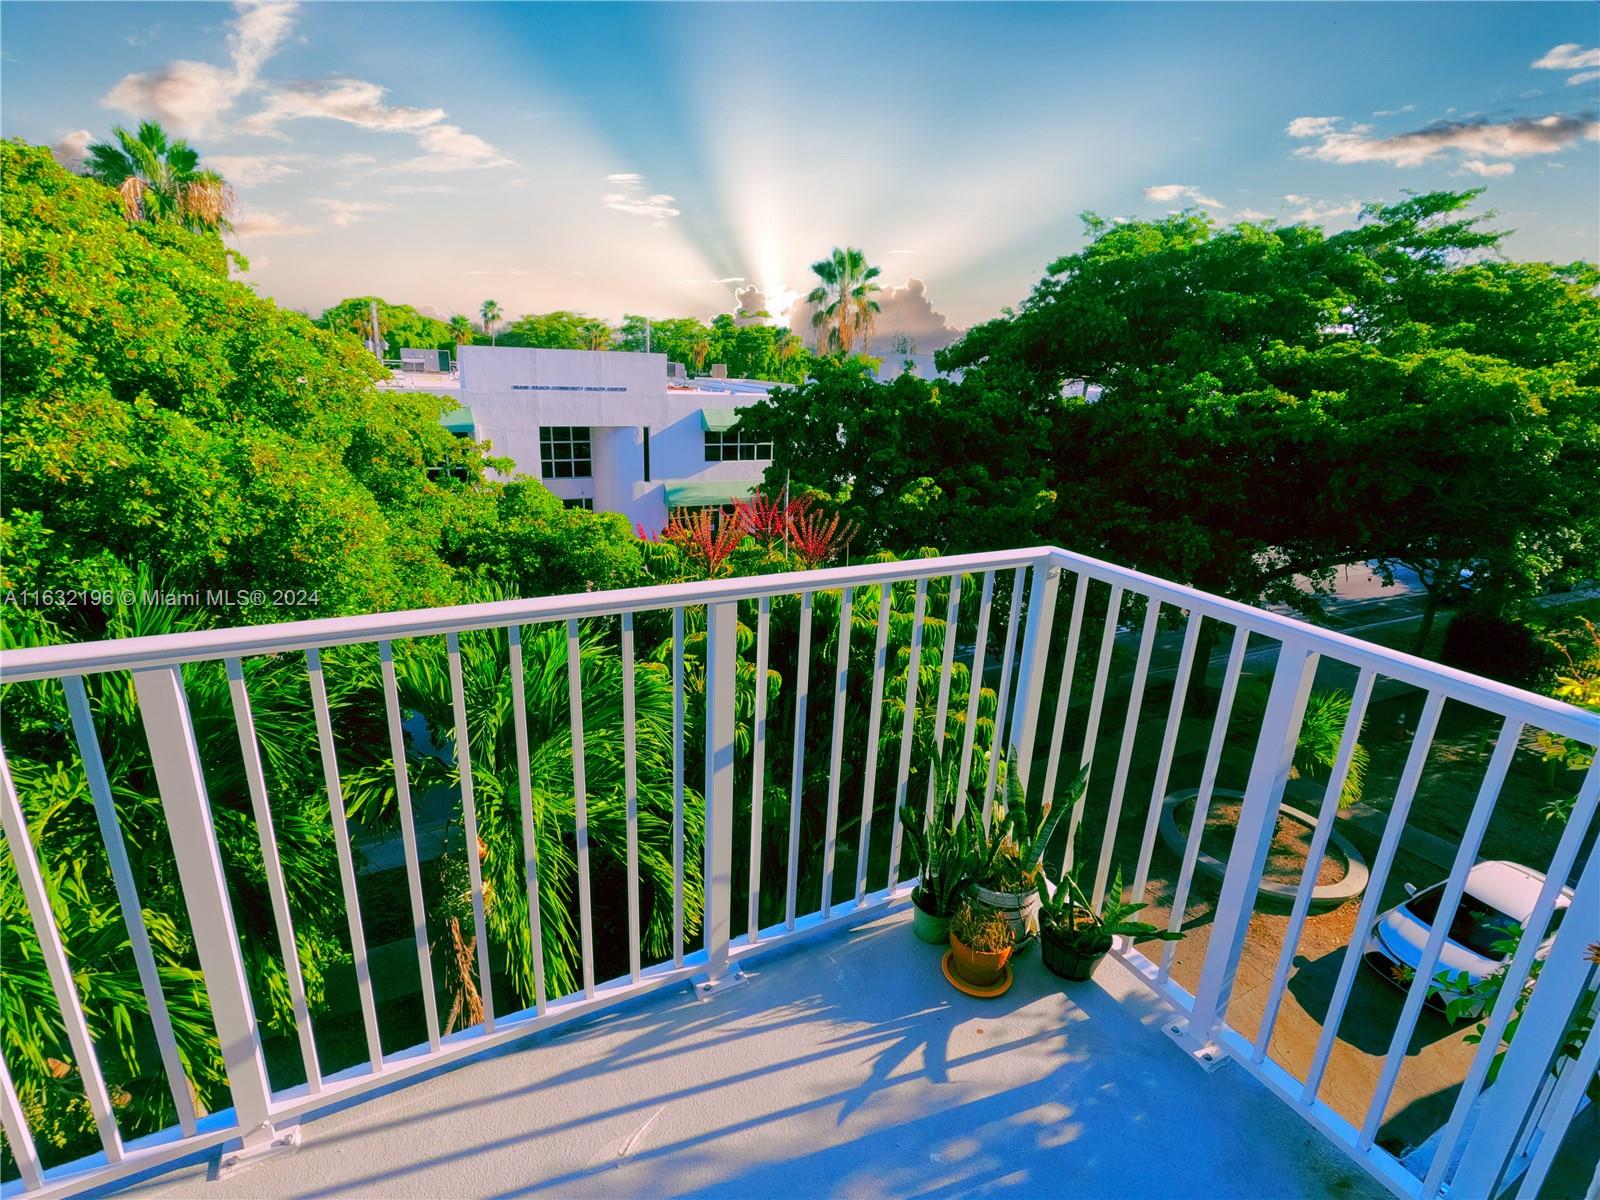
{"type": "Point", "coordinates": [658, 158]}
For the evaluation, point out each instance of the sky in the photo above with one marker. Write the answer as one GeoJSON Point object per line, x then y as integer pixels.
{"type": "Point", "coordinates": [676, 159]}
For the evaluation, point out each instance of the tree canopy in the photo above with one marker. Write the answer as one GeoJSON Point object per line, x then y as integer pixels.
{"type": "Point", "coordinates": [158, 413]}
{"type": "Point", "coordinates": [402, 326]}
{"type": "Point", "coordinates": [1238, 407]}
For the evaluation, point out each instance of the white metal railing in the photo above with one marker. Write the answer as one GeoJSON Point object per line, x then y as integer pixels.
{"type": "Point", "coordinates": [1029, 584]}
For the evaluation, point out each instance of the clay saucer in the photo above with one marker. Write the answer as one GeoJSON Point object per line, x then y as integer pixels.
{"type": "Point", "coordinates": [997, 988]}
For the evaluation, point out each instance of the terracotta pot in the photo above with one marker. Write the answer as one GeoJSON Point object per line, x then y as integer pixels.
{"type": "Point", "coordinates": [1072, 955]}
{"type": "Point", "coordinates": [934, 930]}
{"type": "Point", "coordinates": [978, 967]}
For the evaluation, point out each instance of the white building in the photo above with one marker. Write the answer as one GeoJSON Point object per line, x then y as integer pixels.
{"type": "Point", "coordinates": [608, 430]}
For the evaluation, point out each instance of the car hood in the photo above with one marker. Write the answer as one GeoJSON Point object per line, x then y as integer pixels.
{"type": "Point", "coordinates": [1404, 937]}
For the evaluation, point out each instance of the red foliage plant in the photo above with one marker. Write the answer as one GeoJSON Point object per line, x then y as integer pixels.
{"type": "Point", "coordinates": [769, 517]}
{"type": "Point", "coordinates": [702, 539]}
{"type": "Point", "coordinates": [815, 539]}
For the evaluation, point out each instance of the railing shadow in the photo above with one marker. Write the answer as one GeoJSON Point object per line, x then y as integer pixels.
{"type": "Point", "coordinates": [846, 1065]}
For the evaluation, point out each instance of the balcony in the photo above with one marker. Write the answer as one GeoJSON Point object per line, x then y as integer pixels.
{"type": "Point", "coordinates": [720, 996]}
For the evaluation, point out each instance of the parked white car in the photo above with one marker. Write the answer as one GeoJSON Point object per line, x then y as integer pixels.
{"type": "Point", "coordinates": [1496, 903]}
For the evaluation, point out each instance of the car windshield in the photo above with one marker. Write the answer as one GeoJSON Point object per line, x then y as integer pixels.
{"type": "Point", "coordinates": [1477, 926]}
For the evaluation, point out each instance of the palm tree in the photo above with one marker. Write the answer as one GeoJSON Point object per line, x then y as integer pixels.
{"type": "Point", "coordinates": [786, 345]}
{"type": "Point", "coordinates": [160, 179]}
{"type": "Point", "coordinates": [844, 299]}
{"type": "Point", "coordinates": [490, 312]}
{"type": "Point", "coordinates": [699, 352]}
{"type": "Point", "coordinates": [461, 329]}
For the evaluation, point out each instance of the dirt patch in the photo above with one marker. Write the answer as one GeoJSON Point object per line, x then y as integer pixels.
{"type": "Point", "coordinates": [1286, 858]}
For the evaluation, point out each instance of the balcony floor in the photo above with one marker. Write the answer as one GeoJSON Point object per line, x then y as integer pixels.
{"type": "Point", "coordinates": [847, 1066]}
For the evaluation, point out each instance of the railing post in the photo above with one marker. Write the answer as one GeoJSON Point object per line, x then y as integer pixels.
{"type": "Point", "coordinates": [164, 710]}
{"type": "Point", "coordinates": [722, 648]}
{"type": "Point", "coordinates": [1530, 1057]}
{"type": "Point", "coordinates": [1258, 818]}
{"type": "Point", "coordinates": [1035, 653]}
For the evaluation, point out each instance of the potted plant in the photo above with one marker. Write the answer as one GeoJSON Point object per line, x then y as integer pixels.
{"type": "Point", "coordinates": [1009, 871]}
{"type": "Point", "coordinates": [1073, 938]}
{"type": "Point", "coordinates": [981, 941]}
{"type": "Point", "coordinates": [944, 849]}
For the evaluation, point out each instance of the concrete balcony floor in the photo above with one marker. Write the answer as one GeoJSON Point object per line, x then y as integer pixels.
{"type": "Point", "coordinates": [848, 1066]}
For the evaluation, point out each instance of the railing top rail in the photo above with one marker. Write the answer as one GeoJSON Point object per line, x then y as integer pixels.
{"type": "Point", "coordinates": [123, 654]}
{"type": "Point", "coordinates": [1542, 712]}
{"type": "Point", "coordinates": [17, 666]}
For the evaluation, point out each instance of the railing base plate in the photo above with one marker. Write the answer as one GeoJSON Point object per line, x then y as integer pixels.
{"type": "Point", "coordinates": [1207, 1053]}
{"type": "Point", "coordinates": [706, 987]}
{"type": "Point", "coordinates": [231, 1162]}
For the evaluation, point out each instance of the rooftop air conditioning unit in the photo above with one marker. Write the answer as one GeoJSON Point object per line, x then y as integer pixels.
{"type": "Point", "coordinates": [425, 360]}
{"type": "Point", "coordinates": [676, 370]}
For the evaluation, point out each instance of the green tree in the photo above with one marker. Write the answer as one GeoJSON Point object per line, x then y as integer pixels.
{"type": "Point", "coordinates": [1244, 409]}
{"type": "Point", "coordinates": [845, 308]}
{"type": "Point", "coordinates": [672, 336]}
{"type": "Point", "coordinates": [559, 330]}
{"type": "Point", "coordinates": [157, 412]}
{"type": "Point", "coordinates": [461, 329]}
{"type": "Point", "coordinates": [912, 462]}
{"type": "Point", "coordinates": [401, 326]}
{"type": "Point", "coordinates": [160, 179]}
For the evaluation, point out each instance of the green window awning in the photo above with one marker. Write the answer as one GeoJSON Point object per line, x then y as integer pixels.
{"type": "Point", "coordinates": [708, 493]}
{"type": "Point", "coordinates": [719, 420]}
{"type": "Point", "coordinates": [458, 420]}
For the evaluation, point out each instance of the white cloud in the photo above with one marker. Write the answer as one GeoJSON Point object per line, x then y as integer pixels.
{"type": "Point", "coordinates": [71, 150]}
{"type": "Point", "coordinates": [1312, 211]}
{"type": "Point", "coordinates": [247, 169]}
{"type": "Point", "coordinates": [450, 148]}
{"type": "Point", "coordinates": [257, 34]}
{"type": "Point", "coordinates": [360, 102]}
{"type": "Point", "coordinates": [1478, 137]}
{"type": "Point", "coordinates": [344, 213]}
{"type": "Point", "coordinates": [1488, 170]}
{"type": "Point", "coordinates": [1584, 77]}
{"type": "Point", "coordinates": [194, 97]}
{"type": "Point", "coordinates": [1308, 127]}
{"type": "Point", "coordinates": [419, 189]}
{"type": "Point", "coordinates": [254, 223]}
{"type": "Point", "coordinates": [1250, 214]}
{"type": "Point", "coordinates": [1394, 112]}
{"type": "Point", "coordinates": [1569, 56]}
{"type": "Point", "coordinates": [1166, 193]}
{"type": "Point", "coordinates": [632, 198]}
{"type": "Point", "coordinates": [353, 101]}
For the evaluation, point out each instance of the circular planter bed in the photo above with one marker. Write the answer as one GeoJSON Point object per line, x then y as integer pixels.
{"type": "Point", "coordinates": [1343, 872]}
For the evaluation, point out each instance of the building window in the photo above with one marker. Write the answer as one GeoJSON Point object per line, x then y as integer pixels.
{"type": "Point", "coordinates": [732, 446]}
{"type": "Point", "coordinates": [564, 452]}
{"type": "Point", "coordinates": [584, 502]}
{"type": "Point", "coordinates": [647, 454]}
